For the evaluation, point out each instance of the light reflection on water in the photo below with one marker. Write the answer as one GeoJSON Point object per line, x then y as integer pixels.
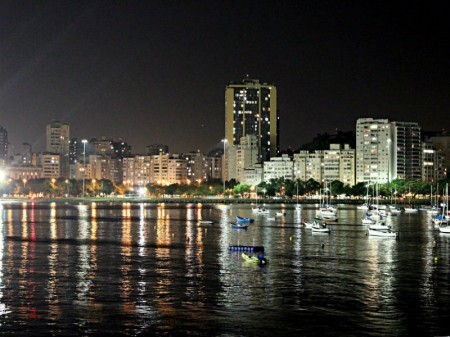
{"type": "Point", "coordinates": [135, 268]}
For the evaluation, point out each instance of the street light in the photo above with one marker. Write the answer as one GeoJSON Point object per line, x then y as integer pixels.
{"type": "Point", "coordinates": [223, 165]}
{"type": "Point", "coordinates": [84, 141]}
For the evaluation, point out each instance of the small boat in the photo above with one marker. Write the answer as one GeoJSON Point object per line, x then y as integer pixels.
{"type": "Point", "coordinates": [444, 228]}
{"type": "Point", "coordinates": [260, 210]}
{"type": "Point", "coordinates": [320, 227]}
{"type": "Point", "coordinates": [327, 217]}
{"type": "Point", "coordinates": [238, 226]}
{"type": "Point", "coordinates": [383, 233]}
{"type": "Point", "coordinates": [440, 220]}
{"type": "Point", "coordinates": [271, 218]}
{"type": "Point", "coordinates": [310, 223]}
{"type": "Point", "coordinates": [206, 222]}
{"type": "Point", "coordinates": [363, 206]}
{"type": "Point", "coordinates": [244, 220]}
{"type": "Point", "coordinates": [379, 225]}
{"type": "Point", "coordinates": [395, 210]}
{"type": "Point", "coordinates": [260, 259]}
{"type": "Point", "coordinates": [368, 221]}
{"type": "Point", "coordinates": [280, 213]}
{"type": "Point", "coordinates": [410, 209]}
{"type": "Point", "coordinates": [433, 209]}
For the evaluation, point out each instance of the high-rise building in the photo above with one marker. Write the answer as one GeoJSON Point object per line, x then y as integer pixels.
{"type": "Point", "coordinates": [3, 143]}
{"type": "Point", "coordinates": [441, 141]}
{"type": "Point", "coordinates": [387, 150]}
{"type": "Point", "coordinates": [406, 153]}
{"type": "Point", "coordinates": [109, 148]}
{"type": "Point", "coordinates": [246, 154]}
{"type": "Point", "coordinates": [373, 138]}
{"type": "Point", "coordinates": [58, 142]}
{"type": "Point", "coordinates": [251, 109]}
{"type": "Point", "coordinates": [197, 166]}
{"type": "Point", "coordinates": [434, 166]}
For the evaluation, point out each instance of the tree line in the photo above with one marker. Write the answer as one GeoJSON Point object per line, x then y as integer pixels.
{"type": "Point", "coordinates": [285, 188]}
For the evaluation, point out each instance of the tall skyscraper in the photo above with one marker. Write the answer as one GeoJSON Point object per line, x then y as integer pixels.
{"type": "Point", "coordinates": [251, 109]}
{"type": "Point", "coordinates": [3, 143]}
{"type": "Point", "coordinates": [58, 141]}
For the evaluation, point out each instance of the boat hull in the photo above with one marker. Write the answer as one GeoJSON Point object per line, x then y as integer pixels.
{"type": "Point", "coordinates": [382, 233]}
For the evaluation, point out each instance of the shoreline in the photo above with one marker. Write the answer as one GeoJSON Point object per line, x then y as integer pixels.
{"type": "Point", "coordinates": [137, 200]}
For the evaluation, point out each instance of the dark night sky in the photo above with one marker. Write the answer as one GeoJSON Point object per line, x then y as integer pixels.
{"type": "Point", "coordinates": [155, 72]}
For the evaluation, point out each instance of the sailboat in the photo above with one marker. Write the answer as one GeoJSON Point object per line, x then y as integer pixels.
{"type": "Point", "coordinates": [434, 208]}
{"type": "Point", "coordinates": [259, 209]}
{"type": "Point", "coordinates": [443, 218]}
{"type": "Point", "coordinates": [365, 206]}
{"type": "Point", "coordinates": [410, 208]}
{"type": "Point", "coordinates": [298, 206]}
{"type": "Point", "coordinates": [326, 212]}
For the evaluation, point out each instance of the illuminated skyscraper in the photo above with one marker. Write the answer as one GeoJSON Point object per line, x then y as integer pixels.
{"type": "Point", "coordinates": [251, 109]}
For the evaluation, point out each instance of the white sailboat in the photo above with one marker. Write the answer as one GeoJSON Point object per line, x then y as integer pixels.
{"type": "Point", "coordinates": [259, 209]}
{"type": "Point", "coordinates": [326, 211]}
{"type": "Point", "coordinates": [443, 225]}
{"type": "Point", "coordinates": [365, 206]}
{"type": "Point", "coordinates": [410, 208]}
{"type": "Point", "coordinates": [298, 206]}
{"type": "Point", "coordinates": [434, 208]}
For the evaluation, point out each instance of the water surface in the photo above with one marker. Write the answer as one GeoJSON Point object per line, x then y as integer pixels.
{"type": "Point", "coordinates": [135, 269]}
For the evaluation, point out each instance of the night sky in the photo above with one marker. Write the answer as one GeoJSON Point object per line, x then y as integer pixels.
{"type": "Point", "coordinates": [155, 72]}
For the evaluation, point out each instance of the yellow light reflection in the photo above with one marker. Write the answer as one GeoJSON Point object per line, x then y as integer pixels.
{"type": "Point", "coordinates": [126, 250]}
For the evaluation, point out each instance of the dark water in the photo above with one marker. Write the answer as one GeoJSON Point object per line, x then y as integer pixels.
{"type": "Point", "coordinates": [152, 269]}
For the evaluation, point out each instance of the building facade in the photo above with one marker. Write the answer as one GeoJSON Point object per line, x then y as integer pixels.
{"type": "Point", "coordinates": [337, 163]}
{"type": "Point", "coordinates": [196, 166]}
{"type": "Point", "coordinates": [50, 164]}
{"type": "Point", "coordinates": [251, 109]}
{"type": "Point", "coordinates": [406, 151]}
{"type": "Point", "coordinates": [442, 143]}
{"type": "Point", "coordinates": [3, 144]}
{"type": "Point", "coordinates": [434, 166]}
{"type": "Point", "coordinates": [58, 141]}
{"type": "Point", "coordinates": [246, 154]}
{"type": "Point", "coordinates": [279, 167]}
{"type": "Point", "coordinates": [373, 148]}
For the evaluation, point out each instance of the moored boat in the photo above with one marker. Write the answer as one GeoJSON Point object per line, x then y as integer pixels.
{"type": "Point", "coordinates": [238, 226]}
{"type": "Point", "coordinates": [444, 228]}
{"type": "Point", "coordinates": [244, 220]}
{"type": "Point", "coordinates": [206, 222]}
{"type": "Point", "coordinates": [310, 223]}
{"type": "Point", "coordinates": [260, 210]}
{"type": "Point", "coordinates": [320, 227]}
{"type": "Point", "coordinates": [260, 259]}
{"type": "Point", "coordinates": [411, 209]}
{"type": "Point", "coordinates": [383, 233]}
{"type": "Point", "coordinates": [379, 225]}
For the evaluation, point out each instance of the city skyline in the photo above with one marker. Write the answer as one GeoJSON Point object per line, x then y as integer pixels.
{"type": "Point", "coordinates": [156, 72]}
